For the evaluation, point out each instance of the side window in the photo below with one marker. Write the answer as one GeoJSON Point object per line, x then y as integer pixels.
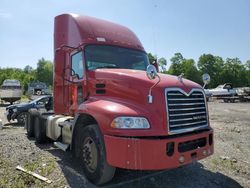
{"type": "Point", "coordinates": [77, 64]}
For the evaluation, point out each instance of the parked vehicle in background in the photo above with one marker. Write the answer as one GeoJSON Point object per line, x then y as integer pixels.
{"type": "Point", "coordinates": [19, 111]}
{"type": "Point", "coordinates": [208, 94]}
{"type": "Point", "coordinates": [225, 90]}
{"type": "Point", "coordinates": [242, 95]}
{"type": "Point", "coordinates": [229, 94]}
{"type": "Point", "coordinates": [112, 108]}
{"type": "Point", "coordinates": [11, 91]}
{"type": "Point", "coordinates": [243, 91]}
{"type": "Point", "coordinates": [37, 89]}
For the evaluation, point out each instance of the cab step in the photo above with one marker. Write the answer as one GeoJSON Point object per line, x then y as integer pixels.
{"type": "Point", "coordinates": [61, 146]}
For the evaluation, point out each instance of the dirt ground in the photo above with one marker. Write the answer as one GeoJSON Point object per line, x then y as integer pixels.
{"type": "Point", "coordinates": [228, 167]}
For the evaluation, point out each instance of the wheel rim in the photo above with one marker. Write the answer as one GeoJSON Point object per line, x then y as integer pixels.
{"type": "Point", "coordinates": [90, 154]}
{"type": "Point", "coordinates": [22, 117]}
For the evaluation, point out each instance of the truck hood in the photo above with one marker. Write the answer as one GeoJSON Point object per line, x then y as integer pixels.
{"type": "Point", "coordinates": [122, 92]}
{"type": "Point", "coordinates": [136, 79]}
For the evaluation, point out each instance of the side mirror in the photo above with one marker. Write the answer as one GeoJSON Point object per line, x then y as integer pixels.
{"type": "Point", "coordinates": [155, 64]}
{"type": "Point", "coordinates": [206, 79]}
{"type": "Point", "coordinates": [74, 76]}
{"type": "Point", "coordinates": [151, 72]}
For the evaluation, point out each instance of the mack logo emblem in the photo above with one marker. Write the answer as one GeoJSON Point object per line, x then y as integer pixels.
{"type": "Point", "coordinates": [199, 117]}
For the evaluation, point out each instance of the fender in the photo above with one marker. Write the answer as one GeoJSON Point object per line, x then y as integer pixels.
{"type": "Point", "coordinates": [102, 111]}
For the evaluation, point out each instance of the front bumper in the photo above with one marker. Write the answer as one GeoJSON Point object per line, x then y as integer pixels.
{"type": "Point", "coordinates": [8, 115]}
{"type": "Point", "coordinates": [151, 154]}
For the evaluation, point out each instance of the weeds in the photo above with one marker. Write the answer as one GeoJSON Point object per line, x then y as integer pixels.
{"type": "Point", "coordinates": [10, 177]}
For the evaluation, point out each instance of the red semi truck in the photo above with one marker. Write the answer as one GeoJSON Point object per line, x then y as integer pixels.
{"type": "Point", "coordinates": [112, 109]}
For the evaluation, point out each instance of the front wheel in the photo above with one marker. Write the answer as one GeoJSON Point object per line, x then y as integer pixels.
{"type": "Point", "coordinates": [93, 156]}
{"type": "Point", "coordinates": [21, 118]}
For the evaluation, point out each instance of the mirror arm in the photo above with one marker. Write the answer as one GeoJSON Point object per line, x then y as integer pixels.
{"type": "Point", "coordinates": [70, 47]}
{"type": "Point", "coordinates": [67, 47]}
{"type": "Point", "coordinates": [150, 97]}
{"type": "Point", "coordinates": [70, 81]}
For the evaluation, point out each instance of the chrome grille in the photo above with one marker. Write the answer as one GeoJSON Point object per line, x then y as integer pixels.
{"type": "Point", "coordinates": [186, 112]}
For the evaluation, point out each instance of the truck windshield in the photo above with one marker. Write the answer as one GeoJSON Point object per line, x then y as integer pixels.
{"type": "Point", "coordinates": [101, 56]}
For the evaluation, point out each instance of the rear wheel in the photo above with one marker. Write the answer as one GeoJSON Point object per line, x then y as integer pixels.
{"type": "Point", "coordinates": [40, 130]}
{"type": "Point", "coordinates": [92, 155]}
{"type": "Point", "coordinates": [30, 120]}
{"type": "Point", "coordinates": [232, 100]}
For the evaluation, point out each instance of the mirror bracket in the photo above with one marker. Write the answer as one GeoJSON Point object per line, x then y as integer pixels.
{"type": "Point", "coordinates": [152, 74]}
{"type": "Point", "coordinates": [74, 75]}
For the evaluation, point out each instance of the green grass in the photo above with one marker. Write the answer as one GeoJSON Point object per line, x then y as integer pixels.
{"type": "Point", "coordinates": [24, 98]}
{"type": "Point", "coordinates": [12, 178]}
{"type": "Point", "coordinates": [40, 167]}
{"type": "Point", "coordinates": [226, 164]}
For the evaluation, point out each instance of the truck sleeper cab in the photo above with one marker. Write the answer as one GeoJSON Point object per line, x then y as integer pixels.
{"type": "Point", "coordinates": [109, 113]}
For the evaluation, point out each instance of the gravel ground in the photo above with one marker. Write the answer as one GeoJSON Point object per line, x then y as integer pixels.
{"type": "Point", "coordinates": [228, 167]}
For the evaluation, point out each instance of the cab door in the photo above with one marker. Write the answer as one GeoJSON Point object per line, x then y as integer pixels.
{"type": "Point", "coordinates": [78, 77]}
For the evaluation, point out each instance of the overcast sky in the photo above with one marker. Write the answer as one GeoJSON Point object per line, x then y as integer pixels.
{"type": "Point", "coordinates": [192, 27]}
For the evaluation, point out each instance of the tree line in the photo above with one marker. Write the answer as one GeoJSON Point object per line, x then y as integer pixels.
{"type": "Point", "coordinates": [43, 73]}
{"type": "Point", "coordinates": [230, 70]}
{"type": "Point", "coordinates": [221, 71]}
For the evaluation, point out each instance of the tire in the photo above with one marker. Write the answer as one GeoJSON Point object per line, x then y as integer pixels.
{"type": "Point", "coordinates": [40, 130]}
{"type": "Point", "coordinates": [30, 122]}
{"type": "Point", "coordinates": [21, 118]}
{"type": "Point", "coordinates": [92, 155]}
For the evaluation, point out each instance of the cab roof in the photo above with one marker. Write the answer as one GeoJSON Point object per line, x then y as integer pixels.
{"type": "Point", "coordinates": [74, 30]}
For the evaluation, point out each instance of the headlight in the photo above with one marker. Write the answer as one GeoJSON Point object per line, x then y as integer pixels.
{"type": "Point", "coordinates": [14, 110]}
{"type": "Point", "coordinates": [130, 123]}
